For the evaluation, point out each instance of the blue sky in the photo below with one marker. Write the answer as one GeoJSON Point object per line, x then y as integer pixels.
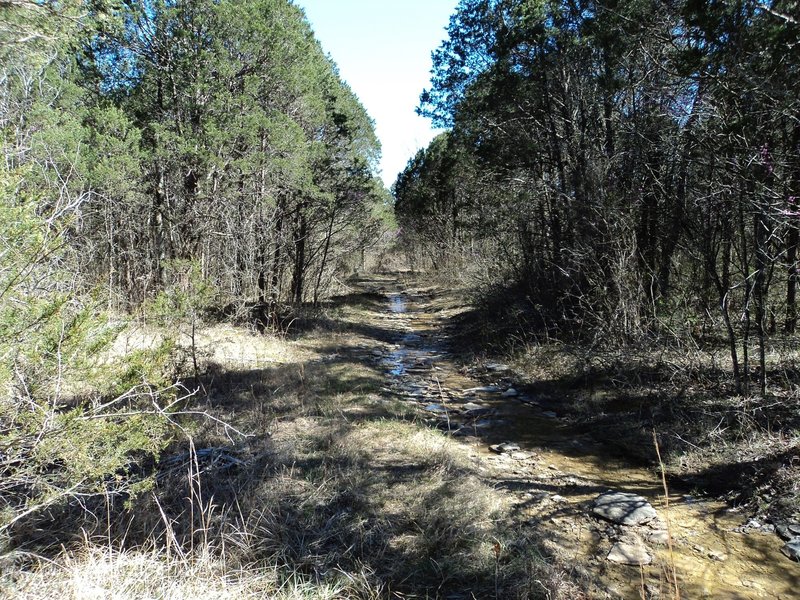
{"type": "Point", "coordinates": [383, 49]}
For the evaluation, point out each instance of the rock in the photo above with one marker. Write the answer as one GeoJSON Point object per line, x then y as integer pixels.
{"type": "Point", "coordinates": [521, 455]}
{"type": "Point", "coordinates": [486, 389]}
{"type": "Point", "coordinates": [623, 508]}
{"type": "Point", "coordinates": [748, 583]}
{"type": "Point", "coordinates": [549, 414]}
{"type": "Point", "coordinates": [497, 367]}
{"type": "Point", "coordinates": [788, 531]}
{"type": "Point", "coordinates": [659, 537]}
{"type": "Point", "coordinates": [504, 447]}
{"type": "Point", "coordinates": [629, 554]}
{"type": "Point", "coordinates": [535, 498]}
{"type": "Point", "coordinates": [472, 407]}
{"type": "Point", "coordinates": [510, 393]}
{"type": "Point", "coordinates": [652, 592]}
{"type": "Point", "coordinates": [753, 524]}
{"type": "Point", "coordinates": [436, 408]}
{"type": "Point", "coordinates": [792, 549]}
{"type": "Point", "coordinates": [783, 532]}
{"type": "Point", "coordinates": [717, 555]}
{"type": "Point", "coordinates": [558, 499]}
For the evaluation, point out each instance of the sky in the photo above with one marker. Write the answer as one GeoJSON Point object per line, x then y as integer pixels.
{"type": "Point", "coordinates": [383, 50]}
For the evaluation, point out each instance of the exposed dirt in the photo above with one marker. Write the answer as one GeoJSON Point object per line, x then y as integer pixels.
{"type": "Point", "coordinates": [558, 471]}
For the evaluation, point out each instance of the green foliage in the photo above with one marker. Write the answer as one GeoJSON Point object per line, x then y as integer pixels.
{"type": "Point", "coordinates": [186, 295]}
{"type": "Point", "coordinates": [60, 437]}
{"type": "Point", "coordinates": [141, 140]}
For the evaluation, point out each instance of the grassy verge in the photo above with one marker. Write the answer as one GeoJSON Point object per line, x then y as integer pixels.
{"type": "Point", "coordinates": [335, 490]}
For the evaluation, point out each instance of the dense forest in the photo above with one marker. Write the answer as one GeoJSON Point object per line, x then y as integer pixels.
{"type": "Point", "coordinates": [218, 133]}
{"type": "Point", "coordinates": [632, 168]}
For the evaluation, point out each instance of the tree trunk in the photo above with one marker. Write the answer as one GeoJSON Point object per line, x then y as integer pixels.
{"type": "Point", "coordinates": [299, 256]}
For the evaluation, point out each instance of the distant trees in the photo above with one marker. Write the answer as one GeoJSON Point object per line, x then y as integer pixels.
{"type": "Point", "coordinates": [626, 163]}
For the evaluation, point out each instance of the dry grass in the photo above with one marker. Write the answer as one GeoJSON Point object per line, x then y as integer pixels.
{"type": "Point", "coordinates": [337, 491]}
{"type": "Point", "coordinates": [98, 573]}
{"type": "Point", "coordinates": [721, 443]}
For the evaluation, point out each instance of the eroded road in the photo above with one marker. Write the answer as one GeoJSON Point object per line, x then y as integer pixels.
{"type": "Point", "coordinates": [554, 475]}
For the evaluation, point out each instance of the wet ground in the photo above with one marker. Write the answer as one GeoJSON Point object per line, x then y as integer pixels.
{"type": "Point", "coordinates": [554, 473]}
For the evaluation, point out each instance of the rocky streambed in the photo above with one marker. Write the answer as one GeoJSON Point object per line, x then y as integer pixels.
{"type": "Point", "coordinates": [611, 521]}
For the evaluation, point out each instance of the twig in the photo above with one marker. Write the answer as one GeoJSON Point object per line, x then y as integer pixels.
{"type": "Point", "coordinates": [666, 516]}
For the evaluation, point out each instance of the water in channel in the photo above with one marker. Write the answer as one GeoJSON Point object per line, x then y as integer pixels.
{"type": "Point", "coordinates": [557, 472]}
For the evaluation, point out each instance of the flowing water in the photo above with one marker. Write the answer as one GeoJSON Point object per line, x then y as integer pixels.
{"type": "Point", "coordinates": [557, 472]}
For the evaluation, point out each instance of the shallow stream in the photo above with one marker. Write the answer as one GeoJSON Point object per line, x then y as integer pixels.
{"type": "Point", "coordinates": [557, 473]}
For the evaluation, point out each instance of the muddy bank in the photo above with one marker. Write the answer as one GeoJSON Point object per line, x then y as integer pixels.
{"type": "Point", "coordinates": [554, 471]}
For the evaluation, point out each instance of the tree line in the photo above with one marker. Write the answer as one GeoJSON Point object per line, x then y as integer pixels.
{"type": "Point", "coordinates": [632, 168]}
{"type": "Point", "coordinates": [171, 131]}
{"type": "Point", "coordinates": [170, 154]}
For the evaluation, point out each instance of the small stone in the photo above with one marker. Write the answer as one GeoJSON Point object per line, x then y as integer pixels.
{"type": "Point", "coordinates": [504, 447]}
{"type": "Point", "coordinates": [549, 414]}
{"type": "Point", "coordinates": [487, 389]}
{"type": "Point", "coordinates": [792, 549]}
{"type": "Point", "coordinates": [472, 407]}
{"type": "Point", "coordinates": [629, 554]}
{"type": "Point", "coordinates": [530, 401]}
{"type": "Point", "coordinates": [558, 499]}
{"type": "Point", "coordinates": [624, 508]}
{"type": "Point", "coordinates": [653, 592]}
{"type": "Point", "coordinates": [717, 555]}
{"type": "Point", "coordinates": [436, 408]}
{"type": "Point", "coordinates": [497, 367]}
{"type": "Point", "coordinates": [659, 537]}
{"type": "Point", "coordinates": [510, 393]}
{"type": "Point", "coordinates": [753, 524]}
{"type": "Point", "coordinates": [521, 455]}
{"type": "Point", "coordinates": [751, 584]}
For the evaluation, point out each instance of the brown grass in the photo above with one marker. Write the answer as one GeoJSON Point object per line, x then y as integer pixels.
{"type": "Point", "coordinates": [337, 491]}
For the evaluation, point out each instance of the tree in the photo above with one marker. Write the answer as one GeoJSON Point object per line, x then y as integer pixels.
{"type": "Point", "coordinates": [630, 157]}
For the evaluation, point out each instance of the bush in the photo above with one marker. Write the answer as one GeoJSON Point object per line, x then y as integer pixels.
{"type": "Point", "coordinates": [70, 426]}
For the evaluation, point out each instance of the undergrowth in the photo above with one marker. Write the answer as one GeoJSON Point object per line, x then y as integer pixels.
{"type": "Point", "coordinates": [294, 476]}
